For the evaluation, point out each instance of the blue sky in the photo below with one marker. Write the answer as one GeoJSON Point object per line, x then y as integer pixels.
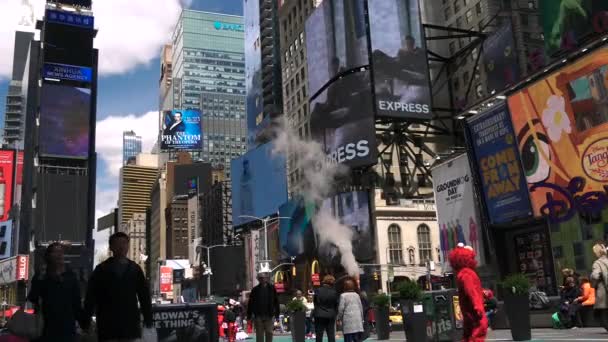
{"type": "Point", "coordinates": [129, 70]}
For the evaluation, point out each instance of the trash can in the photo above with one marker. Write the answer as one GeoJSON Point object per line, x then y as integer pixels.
{"type": "Point", "coordinates": [444, 319]}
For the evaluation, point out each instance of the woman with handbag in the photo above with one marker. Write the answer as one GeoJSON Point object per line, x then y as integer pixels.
{"type": "Point", "coordinates": [599, 276]}
{"type": "Point", "coordinates": [55, 294]}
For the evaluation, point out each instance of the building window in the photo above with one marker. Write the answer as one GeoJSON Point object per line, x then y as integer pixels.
{"type": "Point", "coordinates": [532, 4]}
{"type": "Point", "coordinates": [524, 19]}
{"type": "Point", "coordinates": [424, 243]}
{"type": "Point", "coordinates": [478, 8]}
{"type": "Point", "coordinates": [394, 245]}
{"type": "Point", "coordinates": [447, 13]}
{"type": "Point", "coordinates": [459, 22]}
{"type": "Point", "coordinates": [469, 16]}
{"type": "Point", "coordinates": [456, 6]}
{"type": "Point", "coordinates": [452, 47]}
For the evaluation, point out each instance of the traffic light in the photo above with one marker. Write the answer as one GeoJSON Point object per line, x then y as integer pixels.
{"type": "Point", "coordinates": [376, 276]}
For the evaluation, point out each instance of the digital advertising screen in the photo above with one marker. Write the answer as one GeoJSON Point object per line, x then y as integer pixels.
{"type": "Point", "coordinates": [352, 210]}
{"type": "Point", "coordinates": [399, 58]}
{"type": "Point", "coordinates": [66, 72]}
{"type": "Point", "coordinates": [336, 41]}
{"type": "Point", "coordinates": [7, 169]}
{"type": "Point", "coordinates": [259, 184]}
{"type": "Point", "coordinates": [181, 130]}
{"type": "Point", "coordinates": [342, 121]}
{"type": "Point", "coordinates": [296, 235]}
{"type": "Point", "coordinates": [192, 322]}
{"type": "Point", "coordinates": [567, 23]}
{"type": "Point", "coordinates": [64, 121]}
{"type": "Point", "coordinates": [561, 127]}
{"type": "Point", "coordinates": [496, 155]}
{"type": "Point", "coordinates": [253, 70]}
{"type": "Point", "coordinates": [500, 59]}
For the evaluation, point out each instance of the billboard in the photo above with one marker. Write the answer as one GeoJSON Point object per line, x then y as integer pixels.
{"type": "Point", "coordinates": [497, 161]}
{"type": "Point", "coordinates": [353, 211]}
{"type": "Point", "coordinates": [13, 269]}
{"type": "Point", "coordinates": [166, 279]}
{"type": "Point", "coordinates": [399, 59]}
{"type": "Point", "coordinates": [342, 121]}
{"type": "Point", "coordinates": [7, 169]}
{"type": "Point", "coordinates": [456, 211]}
{"type": "Point", "coordinates": [55, 71]}
{"type": "Point", "coordinates": [253, 70]}
{"type": "Point", "coordinates": [561, 126]}
{"type": "Point", "coordinates": [6, 238]}
{"type": "Point", "coordinates": [336, 41]}
{"type": "Point", "coordinates": [70, 18]}
{"type": "Point", "coordinates": [192, 322]}
{"type": "Point", "coordinates": [64, 121]}
{"type": "Point", "coordinates": [296, 236]}
{"type": "Point", "coordinates": [500, 59]}
{"type": "Point", "coordinates": [181, 130]}
{"type": "Point", "coordinates": [259, 184]}
{"type": "Point", "coordinates": [567, 23]}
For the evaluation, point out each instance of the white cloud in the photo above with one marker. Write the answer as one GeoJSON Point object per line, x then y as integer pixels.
{"type": "Point", "coordinates": [131, 32]}
{"type": "Point", "coordinates": [109, 137]}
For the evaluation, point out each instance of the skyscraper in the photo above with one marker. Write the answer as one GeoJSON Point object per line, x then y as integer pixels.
{"type": "Point", "coordinates": [208, 74]}
{"type": "Point", "coordinates": [13, 117]}
{"type": "Point", "coordinates": [131, 146]}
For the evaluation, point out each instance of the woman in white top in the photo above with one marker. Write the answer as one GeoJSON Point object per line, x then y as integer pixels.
{"type": "Point", "coordinates": [350, 312]}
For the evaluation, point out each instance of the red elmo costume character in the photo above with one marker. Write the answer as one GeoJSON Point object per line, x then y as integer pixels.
{"type": "Point", "coordinates": [470, 294]}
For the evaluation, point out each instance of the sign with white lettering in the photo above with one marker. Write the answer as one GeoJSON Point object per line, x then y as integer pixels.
{"type": "Point", "coordinates": [185, 322]}
{"type": "Point", "coordinates": [13, 269]}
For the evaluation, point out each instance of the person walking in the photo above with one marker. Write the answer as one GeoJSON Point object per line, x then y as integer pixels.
{"type": "Point", "coordinates": [56, 293]}
{"type": "Point", "coordinates": [326, 309]}
{"type": "Point", "coordinates": [350, 312]}
{"type": "Point", "coordinates": [263, 306]}
{"type": "Point", "coordinates": [118, 294]}
{"type": "Point", "coordinates": [599, 276]}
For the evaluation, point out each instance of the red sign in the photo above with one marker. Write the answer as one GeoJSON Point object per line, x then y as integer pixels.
{"type": "Point", "coordinates": [316, 279]}
{"type": "Point", "coordinates": [22, 267]}
{"type": "Point", "coordinates": [166, 279]}
{"type": "Point", "coordinates": [7, 161]}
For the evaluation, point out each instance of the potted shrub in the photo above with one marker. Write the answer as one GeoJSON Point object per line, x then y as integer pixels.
{"type": "Point", "coordinates": [381, 306]}
{"type": "Point", "coordinates": [412, 310]}
{"type": "Point", "coordinates": [517, 306]}
{"type": "Point", "coordinates": [297, 320]}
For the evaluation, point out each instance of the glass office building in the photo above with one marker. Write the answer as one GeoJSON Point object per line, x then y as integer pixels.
{"type": "Point", "coordinates": [131, 146]}
{"type": "Point", "coordinates": [208, 73]}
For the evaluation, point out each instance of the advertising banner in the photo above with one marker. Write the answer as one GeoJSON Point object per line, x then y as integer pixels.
{"type": "Point", "coordinates": [7, 163]}
{"type": "Point", "coordinates": [255, 257]}
{"type": "Point", "coordinates": [497, 158]}
{"type": "Point", "coordinates": [500, 59]}
{"type": "Point", "coordinates": [567, 24]}
{"type": "Point", "coordinates": [399, 59]}
{"type": "Point", "coordinates": [353, 211]}
{"type": "Point", "coordinates": [456, 211]}
{"type": "Point", "coordinates": [342, 121]}
{"type": "Point", "coordinates": [259, 184]}
{"type": "Point", "coordinates": [253, 70]}
{"type": "Point", "coordinates": [6, 238]}
{"type": "Point", "coordinates": [296, 235]}
{"type": "Point", "coordinates": [13, 269]}
{"type": "Point", "coordinates": [561, 125]}
{"type": "Point", "coordinates": [66, 72]}
{"type": "Point", "coordinates": [19, 175]}
{"type": "Point", "coordinates": [194, 232]}
{"type": "Point", "coordinates": [336, 41]}
{"type": "Point", "coordinates": [192, 322]}
{"type": "Point", "coordinates": [64, 121]}
{"type": "Point", "coordinates": [181, 130]}
{"type": "Point", "coordinates": [166, 279]}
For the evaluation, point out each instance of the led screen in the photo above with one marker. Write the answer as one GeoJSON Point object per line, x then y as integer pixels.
{"type": "Point", "coordinates": [64, 121]}
{"type": "Point", "coordinates": [181, 130]}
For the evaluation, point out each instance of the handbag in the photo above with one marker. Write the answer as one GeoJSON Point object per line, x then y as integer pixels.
{"type": "Point", "coordinates": [26, 325]}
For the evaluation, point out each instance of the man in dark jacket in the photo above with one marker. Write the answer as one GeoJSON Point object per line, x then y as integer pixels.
{"type": "Point", "coordinates": [263, 307]}
{"type": "Point", "coordinates": [117, 292]}
{"type": "Point", "coordinates": [326, 309]}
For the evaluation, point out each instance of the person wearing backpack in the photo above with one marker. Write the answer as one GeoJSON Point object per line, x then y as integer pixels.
{"type": "Point", "coordinates": [599, 277]}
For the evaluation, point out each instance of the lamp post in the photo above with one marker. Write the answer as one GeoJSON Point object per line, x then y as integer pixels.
{"type": "Point", "coordinates": [265, 221]}
{"type": "Point", "coordinates": [208, 271]}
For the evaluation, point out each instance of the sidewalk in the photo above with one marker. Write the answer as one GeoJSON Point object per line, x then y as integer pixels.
{"type": "Point", "coordinates": [538, 335]}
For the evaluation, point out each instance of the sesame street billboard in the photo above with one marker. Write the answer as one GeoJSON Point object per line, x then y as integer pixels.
{"type": "Point", "coordinates": [561, 128]}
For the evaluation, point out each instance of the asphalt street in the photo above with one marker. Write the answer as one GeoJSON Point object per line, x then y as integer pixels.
{"type": "Point", "coordinates": [538, 335]}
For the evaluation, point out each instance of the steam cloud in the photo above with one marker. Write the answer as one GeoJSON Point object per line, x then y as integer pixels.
{"type": "Point", "coordinates": [317, 184]}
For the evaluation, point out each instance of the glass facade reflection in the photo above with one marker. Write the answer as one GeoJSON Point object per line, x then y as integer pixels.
{"type": "Point", "coordinates": [209, 75]}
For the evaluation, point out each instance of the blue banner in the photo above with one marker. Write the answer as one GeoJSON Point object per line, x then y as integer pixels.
{"type": "Point", "coordinates": [181, 130]}
{"type": "Point", "coordinates": [496, 154]}
{"type": "Point", "coordinates": [69, 18]}
{"type": "Point", "coordinates": [67, 72]}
